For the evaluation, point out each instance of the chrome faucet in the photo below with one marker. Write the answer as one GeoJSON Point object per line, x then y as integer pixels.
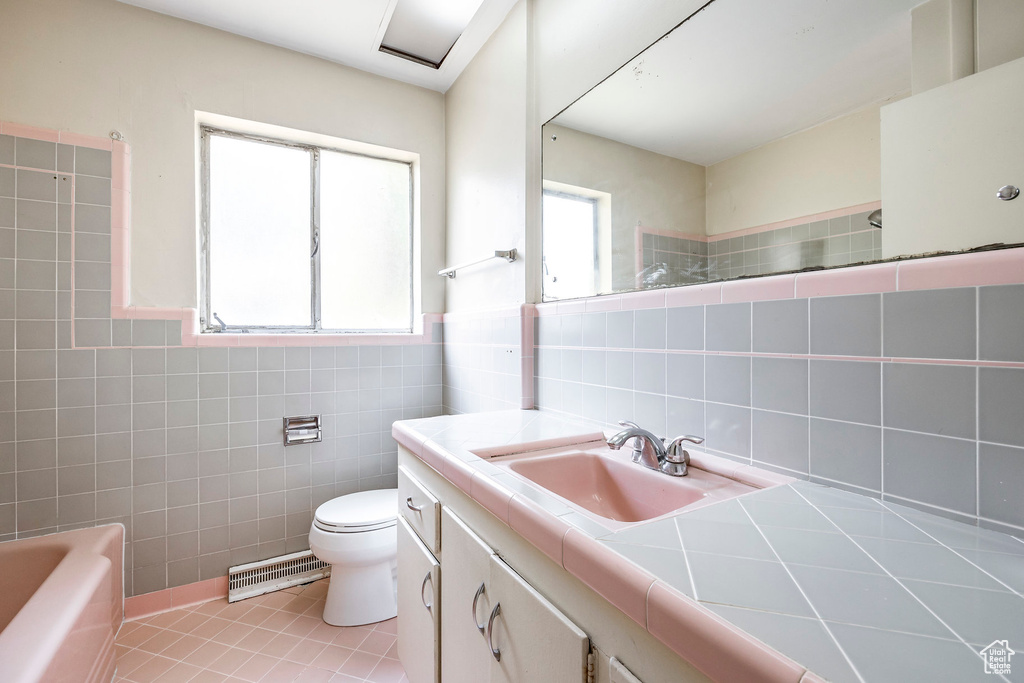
{"type": "Point", "coordinates": [648, 450]}
{"type": "Point", "coordinates": [651, 451]}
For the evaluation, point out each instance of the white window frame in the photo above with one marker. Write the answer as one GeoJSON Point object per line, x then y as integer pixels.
{"type": "Point", "coordinates": [207, 323]}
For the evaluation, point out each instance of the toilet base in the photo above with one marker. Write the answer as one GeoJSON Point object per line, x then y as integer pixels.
{"type": "Point", "coordinates": [362, 595]}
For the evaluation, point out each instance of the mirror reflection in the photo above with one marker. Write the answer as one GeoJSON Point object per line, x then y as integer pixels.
{"type": "Point", "coordinates": [750, 140]}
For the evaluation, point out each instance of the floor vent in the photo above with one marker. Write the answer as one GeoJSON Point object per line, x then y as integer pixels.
{"type": "Point", "coordinates": [267, 576]}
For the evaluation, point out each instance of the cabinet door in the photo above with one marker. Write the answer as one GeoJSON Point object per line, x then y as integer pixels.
{"type": "Point", "coordinates": [420, 508]}
{"type": "Point", "coordinates": [465, 603]}
{"type": "Point", "coordinates": [419, 577]}
{"type": "Point", "coordinates": [532, 640]}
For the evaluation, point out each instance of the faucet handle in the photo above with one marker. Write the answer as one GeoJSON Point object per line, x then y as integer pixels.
{"type": "Point", "coordinates": [675, 451]}
{"type": "Point", "coordinates": [627, 423]}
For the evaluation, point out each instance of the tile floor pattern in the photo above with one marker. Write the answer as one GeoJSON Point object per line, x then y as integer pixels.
{"type": "Point", "coordinates": [273, 638]}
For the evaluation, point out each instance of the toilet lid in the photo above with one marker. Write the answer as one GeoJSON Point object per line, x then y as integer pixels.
{"type": "Point", "coordinates": [363, 511]}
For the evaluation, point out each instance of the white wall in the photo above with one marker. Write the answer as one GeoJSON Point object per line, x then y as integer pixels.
{"type": "Point", "coordinates": [485, 134]}
{"type": "Point", "coordinates": [90, 66]}
{"type": "Point", "coordinates": [945, 153]}
{"type": "Point", "coordinates": [831, 166]}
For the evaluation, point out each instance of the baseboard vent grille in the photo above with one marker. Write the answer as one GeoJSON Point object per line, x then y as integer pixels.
{"type": "Point", "coordinates": [266, 576]}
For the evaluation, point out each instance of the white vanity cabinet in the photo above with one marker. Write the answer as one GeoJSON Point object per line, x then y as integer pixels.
{"type": "Point", "coordinates": [495, 627]}
{"type": "Point", "coordinates": [465, 602]}
{"type": "Point", "coordinates": [419, 583]}
{"type": "Point", "coordinates": [531, 639]}
{"type": "Point", "coordinates": [470, 618]}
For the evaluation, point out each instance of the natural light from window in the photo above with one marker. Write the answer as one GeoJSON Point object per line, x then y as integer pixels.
{"type": "Point", "coordinates": [306, 239]}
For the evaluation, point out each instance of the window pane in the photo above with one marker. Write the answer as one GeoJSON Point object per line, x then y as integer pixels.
{"type": "Point", "coordinates": [568, 246]}
{"type": "Point", "coordinates": [259, 233]}
{"type": "Point", "coordinates": [365, 243]}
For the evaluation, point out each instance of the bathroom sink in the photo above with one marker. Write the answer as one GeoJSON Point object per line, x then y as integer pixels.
{"type": "Point", "coordinates": [608, 484]}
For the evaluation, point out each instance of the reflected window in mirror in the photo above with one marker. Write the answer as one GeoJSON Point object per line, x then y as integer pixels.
{"type": "Point", "coordinates": [571, 240]}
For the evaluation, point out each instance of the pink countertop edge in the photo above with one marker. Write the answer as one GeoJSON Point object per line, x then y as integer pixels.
{"type": "Point", "coordinates": [713, 645]}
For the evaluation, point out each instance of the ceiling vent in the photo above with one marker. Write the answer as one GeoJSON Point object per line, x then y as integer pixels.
{"type": "Point", "coordinates": [424, 31]}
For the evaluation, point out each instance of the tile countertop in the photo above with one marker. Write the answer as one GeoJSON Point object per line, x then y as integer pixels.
{"type": "Point", "coordinates": [845, 586]}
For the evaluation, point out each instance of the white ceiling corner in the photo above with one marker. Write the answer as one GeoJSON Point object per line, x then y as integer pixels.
{"type": "Point", "coordinates": [347, 32]}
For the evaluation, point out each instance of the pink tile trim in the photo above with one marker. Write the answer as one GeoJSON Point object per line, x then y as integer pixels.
{"type": "Point", "coordinates": [694, 295]}
{"type": "Point", "coordinates": [612, 576]}
{"type": "Point", "coordinates": [539, 527]}
{"type": "Point", "coordinates": [493, 496]}
{"type": "Point", "coordinates": [812, 218]}
{"type": "Point", "coordinates": [718, 649]}
{"type": "Point", "coordinates": [31, 132]}
{"type": "Point", "coordinates": [458, 472]}
{"type": "Point", "coordinates": [435, 456]}
{"type": "Point", "coordinates": [80, 140]}
{"type": "Point", "coordinates": [859, 280]}
{"type": "Point", "coordinates": [572, 306]}
{"type": "Point", "coordinates": [1002, 267]}
{"type": "Point", "coordinates": [651, 298]}
{"type": "Point", "coordinates": [759, 289]}
{"type": "Point", "coordinates": [408, 437]}
{"type": "Point", "coordinates": [148, 604]}
{"type": "Point", "coordinates": [604, 303]}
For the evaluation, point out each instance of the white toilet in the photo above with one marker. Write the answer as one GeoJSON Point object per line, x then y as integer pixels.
{"type": "Point", "coordinates": [357, 535]}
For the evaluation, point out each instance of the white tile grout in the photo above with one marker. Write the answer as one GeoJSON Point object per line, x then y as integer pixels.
{"type": "Point", "coordinates": [887, 572]}
{"type": "Point", "coordinates": [806, 598]}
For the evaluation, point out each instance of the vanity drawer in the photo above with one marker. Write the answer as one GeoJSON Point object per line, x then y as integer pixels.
{"type": "Point", "coordinates": [420, 509]}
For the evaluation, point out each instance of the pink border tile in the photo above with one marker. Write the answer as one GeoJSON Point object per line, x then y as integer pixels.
{"type": "Point", "coordinates": [80, 140]}
{"type": "Point", "coordinates": [493, 496]}
{"type": "Point", "coordinates": [604, 303]}
{"type": "Point", "coordinates": [857, 280]}
{"type": "Point", "coordinates": [651, 298]}
{"type": "Point", "coordinates": [538, 526]}
{"type": "Point", "coordinates": [147, 604]}
{"type": "Point", "coordinates": [458, 472]}
{"type": "Point", "coordinates": [612, 576]}
{"type": "Point", "coordinates": [759, 289]}
{"type": "Point", "coordinates": [718, 649]}
{"type": "Point", "coordinates": [1001, 267]}
{"type": "Point", "coordinates": [31, 132]}
{"type": "Point", "coordinates": [694, 295]}
{"type": "Point", "coordinates": [812, 218]}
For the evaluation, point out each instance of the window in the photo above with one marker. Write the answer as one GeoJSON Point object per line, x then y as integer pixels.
{"type": "Point", "coordinates": [300, 238]}
{"type": "Point", "coordinates": [569, 245]}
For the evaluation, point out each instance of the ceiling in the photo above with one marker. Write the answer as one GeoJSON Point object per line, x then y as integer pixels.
{"type": "Point", "coordinates": [344, 31]}
{"type": "Point", "coordinates": [742, 73]}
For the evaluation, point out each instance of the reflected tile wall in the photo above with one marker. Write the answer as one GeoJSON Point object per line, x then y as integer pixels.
{"type": "Point", "coordinates": [107, 420]}
{"type": "Point", "coordinates": [801, 386]}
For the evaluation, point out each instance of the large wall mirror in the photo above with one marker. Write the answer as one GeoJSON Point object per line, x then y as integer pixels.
{"type": "Point", "coordinates": [760, 138]}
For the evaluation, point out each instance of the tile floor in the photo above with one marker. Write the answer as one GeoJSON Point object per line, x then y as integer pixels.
{"type": "Point", "coordinates": [273, 638]}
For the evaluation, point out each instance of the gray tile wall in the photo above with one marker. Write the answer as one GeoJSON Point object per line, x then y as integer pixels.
{"type": "Point", "coordinates": [915, 397]}
{"type": "Point", "coordinates": [834, 242]}
{"type": "Point", "coordinates": [838, 241]}
{"type": "Point", "coordinates": [181, 445]}
{"type": "Point", "coordinates": [482, 363]}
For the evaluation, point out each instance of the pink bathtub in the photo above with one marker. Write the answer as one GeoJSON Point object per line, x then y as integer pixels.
{"type": "Point", "coordinates": [61, 603]}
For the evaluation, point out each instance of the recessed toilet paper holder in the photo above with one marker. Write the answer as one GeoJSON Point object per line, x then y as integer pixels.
{"type": "Point", "coordinates": [304, 429]}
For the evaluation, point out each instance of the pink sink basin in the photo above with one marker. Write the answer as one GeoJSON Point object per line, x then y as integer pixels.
{"type": "Point", "coordinates": [608, 484]}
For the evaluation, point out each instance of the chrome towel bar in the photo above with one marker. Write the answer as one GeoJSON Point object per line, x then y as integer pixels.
{"type": "Point", "coordinates": [509, 255]}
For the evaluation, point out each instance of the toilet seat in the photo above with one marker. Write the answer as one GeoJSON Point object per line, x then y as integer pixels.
{"type": "Point", "coordinates": [358, 512]}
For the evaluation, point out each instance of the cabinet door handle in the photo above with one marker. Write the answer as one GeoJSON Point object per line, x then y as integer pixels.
{"type": "Point", "coordinates": [495, 652]}
{"type": "Point", "coordinates": [414, 508]}
{"type": "Point", "coordinates": [429, 577]}
{"type": "Point", "coordinates": [479, 627]}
